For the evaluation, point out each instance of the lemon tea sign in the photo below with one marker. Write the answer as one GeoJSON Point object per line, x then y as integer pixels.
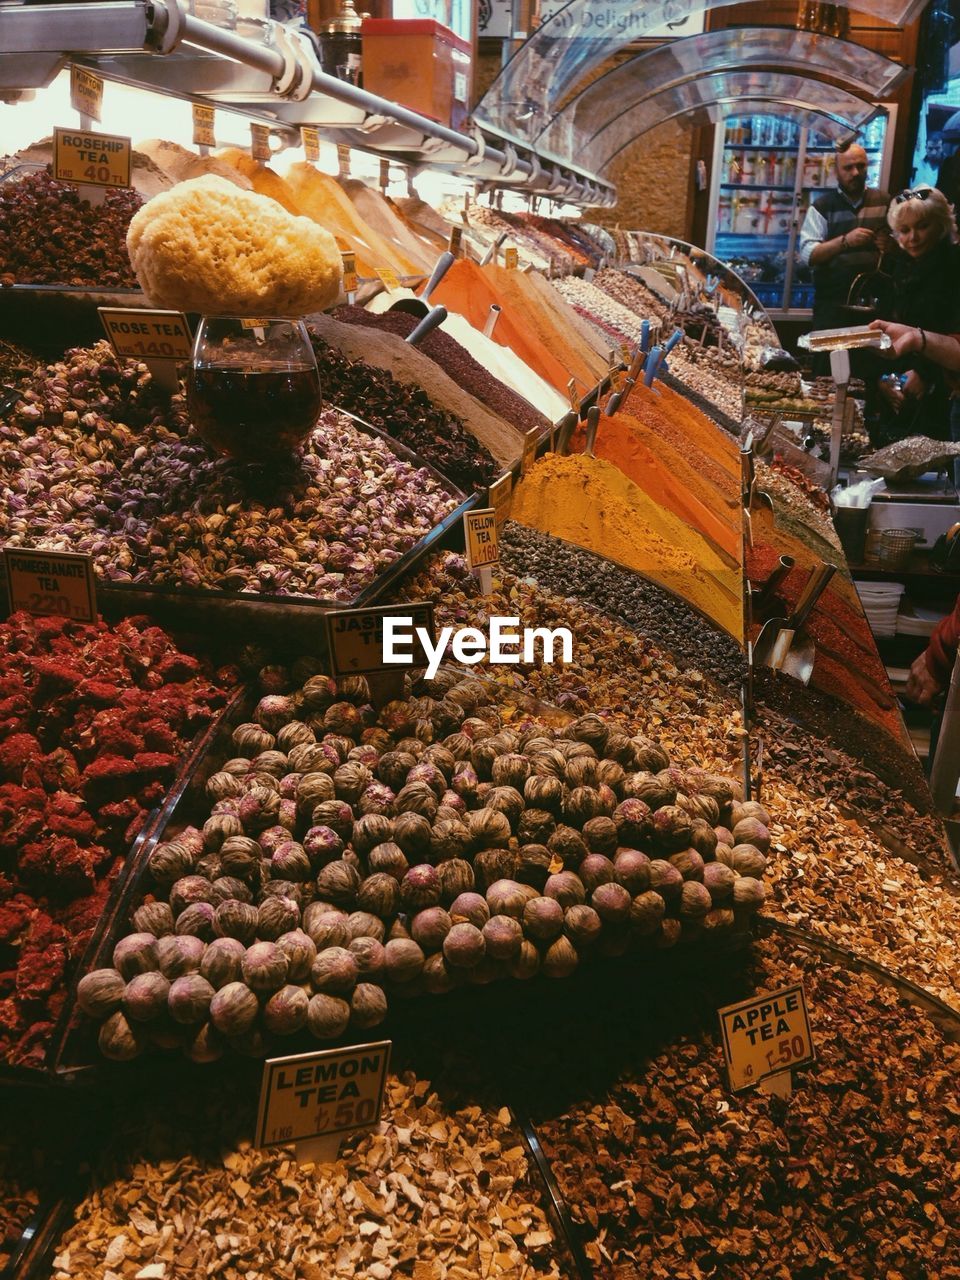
{"type": "Point", "coordinates": [322, 1095]}
{"type": "Point", "coordinates": [765, 1036]}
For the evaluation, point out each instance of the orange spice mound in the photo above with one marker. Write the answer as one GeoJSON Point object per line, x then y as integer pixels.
{"type": "Point", "coordinates": [670, 479]}
{"type": "Point", "coordinates": [673, 418]}
{"type": "Point", "coordinates": [471, 290]}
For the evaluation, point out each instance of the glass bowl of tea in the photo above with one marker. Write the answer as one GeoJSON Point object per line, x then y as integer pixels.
{"type": "Point", "coordinates": [253, 389]}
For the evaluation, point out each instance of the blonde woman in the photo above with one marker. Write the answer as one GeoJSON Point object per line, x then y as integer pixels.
{"type": "Point", "coordinates": [925, 297]}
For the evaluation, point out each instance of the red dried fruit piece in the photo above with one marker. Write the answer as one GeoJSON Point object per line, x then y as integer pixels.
{"type": "Point", "coordinates": [15, 917]}
{"type": "Point", "coordinates": [158, 736]}
{"type": "Point", "coordinates": [100, 692]}
{"type": "Point", "coordinates": [177, 668]}
{"type": "Point", "coordinates": [59, 866]}
{"type": "Point", "coordinates": [154, 764]}
{"type": "Point", "coordinates": [18, 750]}
{"type": "Point", "coordinates": [40, 971]}
{"type": "Point", "coordinates": [54, 677]}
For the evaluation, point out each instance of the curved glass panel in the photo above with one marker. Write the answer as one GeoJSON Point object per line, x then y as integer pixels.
{"type": "Point", "coordinates": [580, 37]}
{"type": "Point", "coordinates": [737, 49]}
{"type": "Point", "coordinates": [712, 89]}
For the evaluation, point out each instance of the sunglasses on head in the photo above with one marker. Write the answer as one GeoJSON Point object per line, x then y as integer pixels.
{"type": "Point", "coordinates": [904, 196]}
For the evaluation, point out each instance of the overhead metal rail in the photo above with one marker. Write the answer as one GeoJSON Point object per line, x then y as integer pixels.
{"type": "Point", "coordinates": [157, 45]}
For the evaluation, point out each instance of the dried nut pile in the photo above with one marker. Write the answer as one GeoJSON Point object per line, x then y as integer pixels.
{"type": "Point", "coordinates": [406, 414]}
{"type": "Point", "coordinates": [711, 384]}
{"type": "Point", "coordinates": [348, 855]}
{"type": "Point", "coordinates": [614, 321]}
{"type": "Point", "coordinates": [669, 1174]}
{"type": "Point", "coordinates": [93, 721]}
{"type": "Point", "coordinates": [760, 336]}
{"type": "Point", "coordinates": [788, 384]}
{"type": "Point", "coordinates": [458, 363]}
{"type": "Point", "coordinates": [49, 235]}
{"type": "Point", "coordinates": [437, 1191]}
{"type": "Point", "coordinates": [801, 506]}
{"type": "Point", "coordinates": [22, 1175]}
{"type": "Point", "coordinates": [860, 889]}
{"type": "Point", "coordinates": [816, 496]}
{"type": "Point", "coordinates": [144, 498]}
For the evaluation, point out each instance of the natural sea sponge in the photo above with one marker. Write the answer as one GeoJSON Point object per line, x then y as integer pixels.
{"type": "Point", "coordinates": [207, 246]}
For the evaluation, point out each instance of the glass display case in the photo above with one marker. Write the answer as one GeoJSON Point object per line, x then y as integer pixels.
{"type": "Point", "coordinates": [767, 169]}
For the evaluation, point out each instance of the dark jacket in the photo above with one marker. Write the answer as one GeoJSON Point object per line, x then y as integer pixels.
{"type": "Point", "coordinates": [832, 280]}
{"type": "Point", "coordinates": [925, 293]}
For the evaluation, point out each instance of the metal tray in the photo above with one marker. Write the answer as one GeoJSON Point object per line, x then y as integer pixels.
{"type": "Point", "coordinates": [75, 1056]}
{"type": "Point", "coordinates": [298, 618]}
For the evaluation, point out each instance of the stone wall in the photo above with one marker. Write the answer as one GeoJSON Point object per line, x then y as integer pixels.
{"type": "Point", "coordinates": [652, 177]}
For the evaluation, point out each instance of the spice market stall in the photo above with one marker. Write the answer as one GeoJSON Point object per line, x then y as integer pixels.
{"type": "Point", "coordinates": [533, 879]}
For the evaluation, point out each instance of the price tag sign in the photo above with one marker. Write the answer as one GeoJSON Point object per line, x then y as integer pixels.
{"type": "Point", "coordinates": [388, 278]}
{"type": "Point", "coordinates": [86, 92]}
{"type": "Point", "coordinates": [156, 335]}
{"type": "Point", "coordinates": [499, 495]}
{"type": "Point", "coordinates": [350, 280]}
{"type": "Point", "coordinates": [203, 135]}
{"type": "Point", "coordinates": [51, 582]}
{"type": "Point", "coordinates": [510, 259]}
{"type": "Point", "coordinates": [572, 394]}
{"type": "Point", "coordinates": [255, 322]}
{"type": "Point", "coordinates": [355, 638]}
{"type": "Point", "coordinates": [100, 159]}
{"type": "Point", "coordinates": [260, 142]}
{"type": "Point", "coordinates": [343, 159]}
{"type": "Point", "coordinates": [530, 442]}
{"type": "Point", "coordinates": [310, 137]}
{"type": "Point", "coordinates": [481, 538]}
{"type": "Point", "coordinates": [765, 1036]}
{"type": "Point", "coordinates": [322, 1095]}
{"type": "Point", "coordinates": [384, 174]}
{"type": "Point", "coordinates": [456, 241]}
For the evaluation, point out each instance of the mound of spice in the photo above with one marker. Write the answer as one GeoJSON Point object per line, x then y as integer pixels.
{"type": "Point", "coordinates": [93, 459]}
{"type": "Point", "coordinates": [457, 362]}
{"type": "Point", "coordinates": [49, 235]}
{"type": "Point", "coordinates": [669, 1174]}
{"type": "Point", "coordinates": [424, 380]}
{"type": "Point", "coordinates": [591, 503]}
{"type": "Point", "coordinates": [670, 479]}
{"type": "Point", "coordinates": [93, 722]}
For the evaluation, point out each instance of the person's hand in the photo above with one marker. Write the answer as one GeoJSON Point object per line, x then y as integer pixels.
{"type": "Point", "coordinates": [889, 387]}
{"type": "Point", "coordinates": [883, 239]}
{"type": "Point", "coordinates": [904, 338]}
{"type": "Point", "coordinates": [921, 688]}
{"type": "Point", "coordinates": [914, 386]}
{"type": "Point", "coordinates": [859, 238]}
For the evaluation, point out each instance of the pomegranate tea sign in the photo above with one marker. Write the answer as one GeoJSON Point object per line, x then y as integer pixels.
{"type": "Point", "coordinates": [765, 1036]}
{"type": "Point", "coordinates": [322, 1095]}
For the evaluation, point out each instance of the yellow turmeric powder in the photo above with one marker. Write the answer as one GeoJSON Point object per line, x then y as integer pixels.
{"type": "Point", "coordinates": [669, 479]}
{"type": "Point", "coordinates": [589, 502]}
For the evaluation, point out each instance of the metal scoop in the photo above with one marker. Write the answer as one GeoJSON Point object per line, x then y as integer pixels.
{"type": "Point", "coordinates": [772, 647]}
{"type": "Point", "coordinates": [421, 306]}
